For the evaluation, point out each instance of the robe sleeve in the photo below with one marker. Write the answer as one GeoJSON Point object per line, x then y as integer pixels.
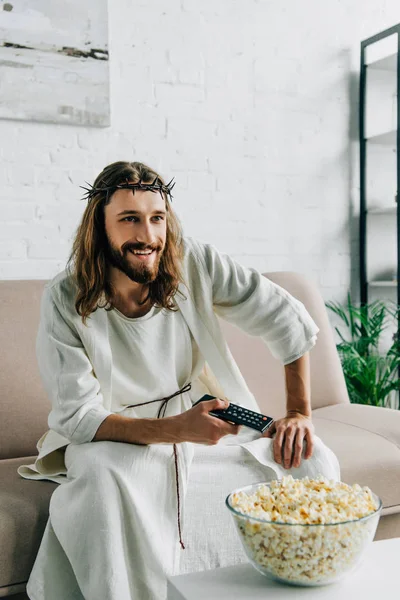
{"type": "Point", "coordinates": [68, 377]}
{"type": "Point", "coordinates": [259, 307]}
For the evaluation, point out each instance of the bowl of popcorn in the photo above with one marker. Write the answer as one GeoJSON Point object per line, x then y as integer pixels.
{"type": "Point", "coordinates": [305, 532]}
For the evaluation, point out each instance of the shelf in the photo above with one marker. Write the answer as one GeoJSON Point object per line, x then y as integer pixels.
{"type": "Point", "coordinates": [389, 63]}
{"type": "Point", "coordinates": [392, 210]}
{"type": "Point", "coordinates": [382, 283]}
{"type": "Point", "coordinates": [385, 139]}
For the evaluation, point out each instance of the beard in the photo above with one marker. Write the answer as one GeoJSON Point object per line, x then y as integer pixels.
{"type": "Point", "coordinates": [142, 273]}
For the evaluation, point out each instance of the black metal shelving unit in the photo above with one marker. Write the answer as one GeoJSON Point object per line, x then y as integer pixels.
{"type": "Point", "coordinates": [390, 62]}
{"type": "Point", "coordinates": [394, 136]}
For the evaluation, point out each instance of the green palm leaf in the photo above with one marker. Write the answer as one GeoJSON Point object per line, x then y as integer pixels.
{"type": "Point", "coordinates": [371, 377]}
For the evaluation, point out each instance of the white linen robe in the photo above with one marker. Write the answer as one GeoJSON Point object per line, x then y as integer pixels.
{"type": "Point", "coordinates": [75, 364]}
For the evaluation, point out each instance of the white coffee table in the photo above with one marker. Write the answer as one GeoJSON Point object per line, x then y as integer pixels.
{"type": "Point", "coordinates": [377, 578]}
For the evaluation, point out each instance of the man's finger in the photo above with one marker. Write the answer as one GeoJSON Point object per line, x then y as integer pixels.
{"type": "Point", "coordinates": [288, 448]}
{"type": "Point", "coordinates": [309, 444]}
{"type": "Point", "coordinates": [278, 440]}
{"type": "Point", "coordinates": [270, 431]}
{"type": "Point", "coordinates": [234, 429]}
{"type": "Point", "coordinates": [228, 427]}
{"type": "Point", "coordinates": [298, 449]}
{"type": "Point", "coordinates": [216, 404]}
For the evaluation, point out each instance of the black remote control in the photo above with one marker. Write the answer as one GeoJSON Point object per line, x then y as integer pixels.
{"type": "Point", "coordinates": [239, 415]}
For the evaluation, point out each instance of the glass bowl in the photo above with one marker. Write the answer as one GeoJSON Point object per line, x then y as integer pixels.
{"type": "Point", "coordinates": [302, 554]}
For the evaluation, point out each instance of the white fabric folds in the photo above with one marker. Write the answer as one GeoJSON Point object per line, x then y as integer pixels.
{"type": "Point", "coordinates": [120, 538]}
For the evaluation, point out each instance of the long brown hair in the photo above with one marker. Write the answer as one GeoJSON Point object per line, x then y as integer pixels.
{"type": "Point", "coordinates": [88, 263]}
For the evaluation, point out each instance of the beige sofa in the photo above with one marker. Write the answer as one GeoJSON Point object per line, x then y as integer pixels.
{"type": "Point", "coordinates": [365, 439]}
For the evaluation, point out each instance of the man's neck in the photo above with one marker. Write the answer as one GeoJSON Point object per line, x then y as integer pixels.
{"type": "Point", "coordinates": [127, 295]}
{"type": "Point", "coordinates": [132, 310]}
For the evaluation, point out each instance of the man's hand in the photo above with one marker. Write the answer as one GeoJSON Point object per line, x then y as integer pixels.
{"type": "Point", "coordinates": [290, 433]}
{"type": "Point", "coordinates": [196, 425]}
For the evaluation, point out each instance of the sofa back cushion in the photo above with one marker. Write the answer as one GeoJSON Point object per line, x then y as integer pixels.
{"type": "Point", "coordinates": [23, 403]}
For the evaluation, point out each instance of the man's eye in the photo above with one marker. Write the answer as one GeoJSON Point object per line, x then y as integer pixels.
{"type": "Point", "coordinates": [133, 219]}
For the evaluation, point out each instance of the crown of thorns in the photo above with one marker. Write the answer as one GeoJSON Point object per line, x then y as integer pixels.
{"type": "Point", "coordinates": [156, 186]}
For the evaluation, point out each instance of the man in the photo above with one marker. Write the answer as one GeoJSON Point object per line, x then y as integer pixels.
{"type": "Point", "coordinates": [129, 340]}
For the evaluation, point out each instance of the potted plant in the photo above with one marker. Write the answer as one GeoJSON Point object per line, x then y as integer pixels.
{"type": "Point", "coordinates": [371, 370]}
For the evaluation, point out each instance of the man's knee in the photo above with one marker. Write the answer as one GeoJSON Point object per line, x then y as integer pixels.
{"type": "Point", "coordinates": [91, 460]}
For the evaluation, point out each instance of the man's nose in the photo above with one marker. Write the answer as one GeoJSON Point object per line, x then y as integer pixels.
{"type": "Point", "coordinates": [144, 234]}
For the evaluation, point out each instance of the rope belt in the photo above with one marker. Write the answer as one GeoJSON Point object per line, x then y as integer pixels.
{"type": "Point", "coordinates": [160, 415]}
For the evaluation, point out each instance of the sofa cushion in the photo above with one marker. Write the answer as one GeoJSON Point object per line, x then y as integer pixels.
{"type": "Point", "coordinates": [24, 510]}
{"type": "Point", "coordinates": [24, 404]}
{"type": "Point", "coordinates": [366, 440]}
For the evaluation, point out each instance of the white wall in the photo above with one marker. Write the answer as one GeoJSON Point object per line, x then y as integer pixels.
{"type": "Point", "coordinates": [250, 104]}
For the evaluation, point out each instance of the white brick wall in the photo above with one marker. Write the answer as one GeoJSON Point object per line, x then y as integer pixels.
{"type": "Point", "coordinates": [248, 103]}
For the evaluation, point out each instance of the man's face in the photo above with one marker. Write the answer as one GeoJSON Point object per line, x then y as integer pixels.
{"type": "Point", "coordinates": [136, 222]}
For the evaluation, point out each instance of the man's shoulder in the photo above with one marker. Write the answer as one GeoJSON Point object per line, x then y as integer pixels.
{"type": "Point", "coordinates": [189, 245]}
{"type": "Point", "coordinates": [62, 288]}
{"type": "Point", "coordinates": [202, 256]}
{"type": "Point", "coordinates": [58, 279]}
{"type": "Point", "coordinates": [198, 250]}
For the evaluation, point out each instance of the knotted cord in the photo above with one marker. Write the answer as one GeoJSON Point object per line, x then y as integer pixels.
{"type": "Point", "coordinates": [160, 415]}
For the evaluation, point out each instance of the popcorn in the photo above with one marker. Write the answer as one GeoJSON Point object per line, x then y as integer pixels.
{"type": "Point", "coordinates": [313, 534]}
{"type": "Point", "coordinates": [306, 501]}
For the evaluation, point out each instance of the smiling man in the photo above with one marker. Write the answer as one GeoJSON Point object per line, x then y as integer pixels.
{"type": "Point", "coordinates": [129, 340]}
{"type": "Point", "coordinates": [138, 261]}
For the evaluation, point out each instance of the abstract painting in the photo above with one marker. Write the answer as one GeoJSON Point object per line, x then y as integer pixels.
{"type": "Point", "coordinates": [54, 61]}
